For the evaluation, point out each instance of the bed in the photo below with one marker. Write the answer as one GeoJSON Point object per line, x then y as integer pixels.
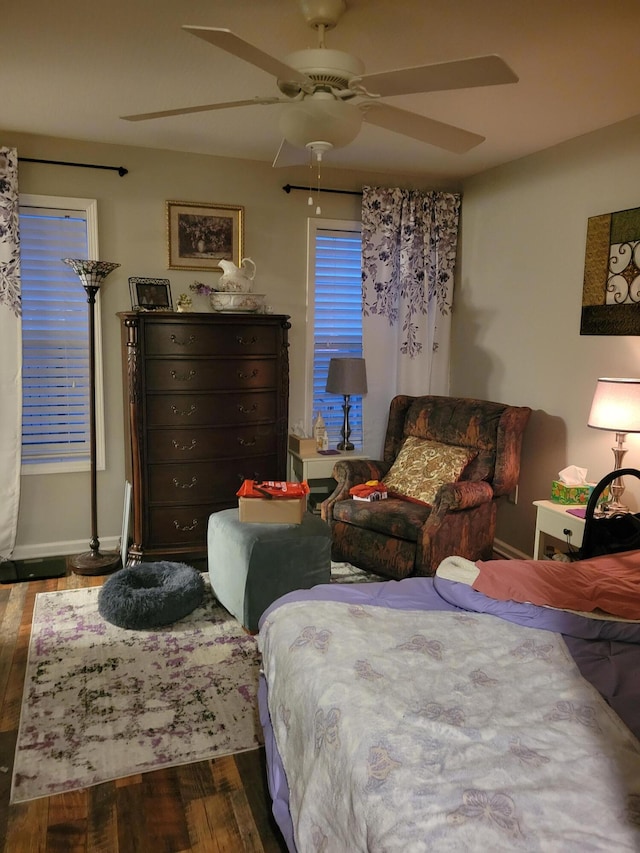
{"type": "Point", "coordinates": [429, 715]}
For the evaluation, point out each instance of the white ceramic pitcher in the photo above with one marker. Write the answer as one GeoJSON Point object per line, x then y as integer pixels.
{"type": "Point", "coordinates": [237, 279]}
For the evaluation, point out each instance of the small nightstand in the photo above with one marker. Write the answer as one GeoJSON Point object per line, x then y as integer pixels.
{"type": "Point", "coordinates": [552, 519]}
{"type": "Point", "coordinates": [316, 469]}
{"type": "Point", "coordinates": [316, 466]}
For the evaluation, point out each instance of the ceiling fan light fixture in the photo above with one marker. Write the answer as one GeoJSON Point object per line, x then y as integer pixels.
{"type": "Point", "coordinates": [320, 120]}
{"type": "Point", "coordinates": [327, 94]}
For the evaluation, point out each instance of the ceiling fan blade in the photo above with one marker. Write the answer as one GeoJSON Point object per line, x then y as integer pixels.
{"type": "Point", "coordinates": [460, 74]}
{"type": "Point", "coordinates": [226, 40]}
{"type": "Point", "coordinates": [425, 129]}
{"type": "Point", "coordinates": [289, 155]}
{"type": "Point", "coordinates": [203, 108]}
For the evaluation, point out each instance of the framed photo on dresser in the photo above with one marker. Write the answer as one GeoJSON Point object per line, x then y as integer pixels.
{"type": "Point", "coordinates": [150, 294]}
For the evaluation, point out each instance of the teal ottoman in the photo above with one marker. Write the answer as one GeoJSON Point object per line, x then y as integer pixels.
{"type": "Point", "coordinates": [250, 565]}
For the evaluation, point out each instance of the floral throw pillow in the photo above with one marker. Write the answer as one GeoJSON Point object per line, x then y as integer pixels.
{"type": "Point", "coordinates": [422, 466]}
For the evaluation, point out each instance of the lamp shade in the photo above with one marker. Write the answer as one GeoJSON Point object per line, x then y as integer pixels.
{"type": "Point", "coordinates": [347, 376]}
{"type": "Point", "coordinates": [616, 405]}
{"type": "Point", "coordinates": [91, 273]}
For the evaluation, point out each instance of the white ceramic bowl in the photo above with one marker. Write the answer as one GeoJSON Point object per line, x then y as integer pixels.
{"type": "Point", "coordinates": [237, 302]}
{"type": "Point", "coordinates": [234, 284]}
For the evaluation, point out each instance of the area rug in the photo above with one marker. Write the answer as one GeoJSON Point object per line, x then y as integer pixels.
{"type": "Point", "coordinates": [102, 702]}
{"type": "Point", "coordinates": [346, 573]}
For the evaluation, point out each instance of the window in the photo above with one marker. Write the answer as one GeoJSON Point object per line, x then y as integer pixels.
{"type": "Point", "coordinates": [55, 336]}
{"type": "Point", "coordinates": [335, 314]}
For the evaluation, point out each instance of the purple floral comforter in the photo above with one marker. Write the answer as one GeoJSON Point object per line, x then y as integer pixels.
{"type": "Point", "coordinates": [397, 720]}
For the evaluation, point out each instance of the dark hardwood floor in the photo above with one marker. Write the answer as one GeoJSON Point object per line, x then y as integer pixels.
{"type": "Point", "coordinates": [208, 807]}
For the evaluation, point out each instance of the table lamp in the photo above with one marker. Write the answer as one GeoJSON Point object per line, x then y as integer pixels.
{"type": "Point", "coordinates": [616, 407]}
{"type": "Point", "coordinates": [347, 376]}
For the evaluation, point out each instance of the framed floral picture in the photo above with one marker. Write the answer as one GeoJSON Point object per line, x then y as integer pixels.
{"type": "Point", "coordinates": [200, 235]}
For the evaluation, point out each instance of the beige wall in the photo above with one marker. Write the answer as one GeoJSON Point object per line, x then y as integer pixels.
{"type": "Point", "coordinates": [516, 325]}
{"type": "Point", "coordinates": [517, 305]}
{"type": "Point", "coordinates": [54, 509]}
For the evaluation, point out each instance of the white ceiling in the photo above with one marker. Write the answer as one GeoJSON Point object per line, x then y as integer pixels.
{"type": "Point", "coordinates": [72, 68]}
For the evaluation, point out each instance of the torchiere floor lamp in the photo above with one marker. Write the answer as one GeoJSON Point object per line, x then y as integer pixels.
{"type": "Point", "coordinates": [92, 562]}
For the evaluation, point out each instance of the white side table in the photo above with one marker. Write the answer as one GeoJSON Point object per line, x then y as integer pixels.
{"type": "Point", "coordinates": [316, 466]}
{"type": "Point", "coordinates": [552, 519]}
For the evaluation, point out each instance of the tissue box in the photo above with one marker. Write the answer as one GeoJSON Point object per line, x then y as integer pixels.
{"type": "Point", "coordinates": [300, 445]}
{"type": "Point", "coordinates": [563, 494]}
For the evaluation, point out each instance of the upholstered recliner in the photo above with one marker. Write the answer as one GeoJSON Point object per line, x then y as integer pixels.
{"type": "Point", "coordinates": [399, 537]}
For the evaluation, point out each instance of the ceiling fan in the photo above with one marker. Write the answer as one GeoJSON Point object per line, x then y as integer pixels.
{"type": "Point", "coordinates": [328, 95]}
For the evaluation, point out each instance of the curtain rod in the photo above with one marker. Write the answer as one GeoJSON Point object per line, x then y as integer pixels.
{"type": "Point", "coordinates": [288, 187]}
{"type": "Point", "coordinates": [119, 169]}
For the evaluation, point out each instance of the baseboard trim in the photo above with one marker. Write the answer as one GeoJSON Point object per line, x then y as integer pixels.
{"type": "Point", "coordinates": [62, 549]}
{"type": "Point", "coordinates": [112, 543]}
{"type": "Point", "coordinates": [508, 551]}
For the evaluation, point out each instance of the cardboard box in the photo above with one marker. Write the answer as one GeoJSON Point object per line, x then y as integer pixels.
{"type": "Point", "coordinates": [276, 511]}
{"type": "Point", "coordinates": [563, 494]}
{"type": "Point", "coordinates": [302, 446]}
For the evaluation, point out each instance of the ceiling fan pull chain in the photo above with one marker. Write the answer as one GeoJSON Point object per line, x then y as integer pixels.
{"type": "Point", "coordinates": [318, 208]}
{"type": "Point", "coordinates": [310, 199]}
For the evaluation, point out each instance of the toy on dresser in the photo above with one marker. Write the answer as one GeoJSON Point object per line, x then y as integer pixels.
{"type": "Point", "coordinates": [320, 433]}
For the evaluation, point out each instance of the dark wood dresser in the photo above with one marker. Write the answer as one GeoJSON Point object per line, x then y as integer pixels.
{"type": "Point", "coordinates": [206, 406]}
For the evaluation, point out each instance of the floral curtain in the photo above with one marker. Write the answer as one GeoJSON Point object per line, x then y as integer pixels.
{"type": "Point", "coordinates": [10, 352]}
{"type": "Point", "coordinates": [409, 244]}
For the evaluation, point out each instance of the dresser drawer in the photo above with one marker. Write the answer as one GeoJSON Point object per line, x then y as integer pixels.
{"type": "Point", "coordinates": [195, 482]}
{"type": "Point", "coordinates": [179, 525]}
{"type": "Point", "coordinates": [210, 375]}
{"type": "Point", "coordinates": [202, 444]}
{"type": "Point", "coordinates": [231, 407]}
{"type": "Point", "coordinates": [196, 339]}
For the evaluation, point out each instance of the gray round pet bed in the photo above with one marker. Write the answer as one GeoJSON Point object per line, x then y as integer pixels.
{"type": "Point", "coordinates": [148, 595]}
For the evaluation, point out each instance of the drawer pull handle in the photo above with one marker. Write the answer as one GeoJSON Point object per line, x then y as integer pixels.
{"type": "Point", "coordinates": [186, 378]}
{"type": "Point", "coordinates": [184, 413]}
{"type": "Point", "coordinates": [184, 446]}
{"type": "Point", "coordinates": [185, 485]}
{"type": "Point", "coordinates": [251, 375]}
{"type": "Point", "coordinates": [247, 442]}
{"type": "Point", "coordinates": [182, 343]}
{"type": "Point", "coordinates": [245, 343]}
{"type": "Point", "coordinates": [246, 411]}
{"type": "Point", "coordinates": [187, 527]}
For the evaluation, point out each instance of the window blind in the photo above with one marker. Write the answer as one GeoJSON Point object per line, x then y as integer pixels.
{"type": "Point", "coordinates": [55, 334]}
{"type": "Point", "coordinates": [337, 323]}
